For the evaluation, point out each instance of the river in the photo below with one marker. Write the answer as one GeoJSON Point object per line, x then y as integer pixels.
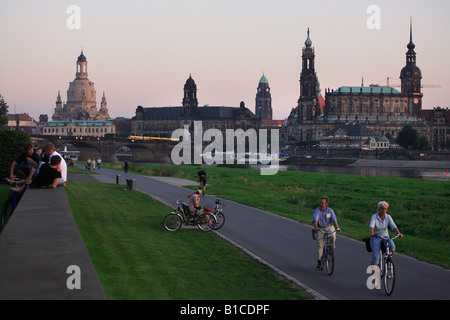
{"type": "Point", "coordinates": [430, 174]}
{"type": "Point", "coordinates": [430, 170]}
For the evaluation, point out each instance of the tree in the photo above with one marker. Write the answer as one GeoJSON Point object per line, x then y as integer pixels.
{"type": "Point", "coordinates": [3, 112]}
{"type": "Point", "coordinates": [409, 138]}
{"type": "Point", "coordinates": [11, 145]}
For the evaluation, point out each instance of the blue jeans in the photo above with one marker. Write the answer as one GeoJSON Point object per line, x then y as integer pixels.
{"type": "Point", "coordinates": [375, 244]}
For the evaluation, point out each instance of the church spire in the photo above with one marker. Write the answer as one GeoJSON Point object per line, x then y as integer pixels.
{"type": "Point", "coordinates": [411, 77]}
{"type": "Point", "coordinates": [411, 54]}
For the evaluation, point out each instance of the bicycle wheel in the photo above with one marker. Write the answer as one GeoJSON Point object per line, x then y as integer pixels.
{"type": "Point", "coordinates": [329, 260]}
{"type": "Point", "coordinates": [220, 221]}
{"type": "Point", "coordinates": [173, 222]}
{"type": "Point", "coordinates": [389, 276]}
{"type": "Point", "coordinates": [7, 210]}
{"type": "Point", "coordinates": [206, 221]}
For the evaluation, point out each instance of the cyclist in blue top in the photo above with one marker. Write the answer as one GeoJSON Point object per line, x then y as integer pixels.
{"type": "Point", "coordinates": [323, 218]}
{"type": "Point", "coordinates": [379, 224]}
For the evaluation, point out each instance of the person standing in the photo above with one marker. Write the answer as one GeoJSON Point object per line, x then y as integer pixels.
{"type": "Point", "coordinates": [323, 219]}
{"type": "Point", "coordinates": [201, 177]}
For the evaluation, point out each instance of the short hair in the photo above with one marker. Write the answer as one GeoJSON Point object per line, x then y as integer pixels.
{"type": "Point", "coordinates": [383, 203]}
{"type": "Point", "coordinates": [55, 160]}
{"type": "Point", "coordinates": [326, 199]}
{"type": "Point", "coordinates": [50, 147]}
{"type": "Point", "coordinates": [28, 146]}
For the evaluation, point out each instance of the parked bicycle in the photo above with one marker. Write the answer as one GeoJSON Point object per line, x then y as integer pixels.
{"type": "Point", "coordinates": [218, 213]}
{"type": "Point", "coordinates": [205, 221]}
{"type": "Point", "coordinates": [10, 205]}
{"type": "Point", "coordinates": [386, 265]}
{"type": "Point", "coordinates": [328, 252]}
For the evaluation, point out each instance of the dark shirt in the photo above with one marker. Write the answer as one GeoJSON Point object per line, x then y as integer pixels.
{"type": "Point", "coordinates": [22, 158]}
{"type": "Point", "coordinates": [202, 174]}
{"type": "Point", "coordinates": [46, 176]}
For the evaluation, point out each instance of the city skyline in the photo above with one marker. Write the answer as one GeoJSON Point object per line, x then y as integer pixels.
{"type": "Point", "coordinates": [142, 52]}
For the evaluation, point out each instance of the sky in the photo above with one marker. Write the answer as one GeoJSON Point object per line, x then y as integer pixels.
{"type": "Point", "coordinates": [141, 52]}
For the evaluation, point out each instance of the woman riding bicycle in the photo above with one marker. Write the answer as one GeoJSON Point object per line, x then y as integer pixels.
{"type": "Point", "coordinates": [378, 225]}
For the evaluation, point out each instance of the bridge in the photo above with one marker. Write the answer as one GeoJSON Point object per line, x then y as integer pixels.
{"type": "Point", "coordinates": [112, 149]}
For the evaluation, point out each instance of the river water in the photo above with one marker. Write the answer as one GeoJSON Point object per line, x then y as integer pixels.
{"type": "Point", "coordinates": [413, 173]}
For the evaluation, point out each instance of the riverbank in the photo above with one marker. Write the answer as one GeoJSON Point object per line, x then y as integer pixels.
{"type": "Point", "coordinates": [412, 164]}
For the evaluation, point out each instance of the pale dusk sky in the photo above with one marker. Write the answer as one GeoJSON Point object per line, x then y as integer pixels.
{"type": "Point", "coordinates": [142, 52]}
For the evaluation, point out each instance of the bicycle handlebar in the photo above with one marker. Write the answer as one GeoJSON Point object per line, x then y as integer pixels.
{"type": "Point", "coordinates": [220, 202]}
{"type": "Point", "coordinates": [388, 238]}
{"type": "Point", "coordinates": [326, 232]}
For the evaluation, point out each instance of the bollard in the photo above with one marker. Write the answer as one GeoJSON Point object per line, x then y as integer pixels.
{"type": "Point", "coordinates": [132, 184]}
{"type": "Point", "coordinates": [118, 179]}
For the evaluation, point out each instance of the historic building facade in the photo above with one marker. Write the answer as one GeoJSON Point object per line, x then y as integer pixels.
{"type": "Point", "coordinates": [162, 121]}
{"type": "Point", "coordinates": [382, 110]}
{"type": "Point", "coordinates": [78, 128]}
{"type": "Point", "coordinates": [81, 98]}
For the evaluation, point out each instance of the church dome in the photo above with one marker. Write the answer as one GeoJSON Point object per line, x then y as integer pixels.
{"type": "Point", "coordinates": [82, 58]}
{"type": "Point", "coordinates": [308, 42]}
{"type": "Point", "coordinates": [190, 84]}
{"type": "Point", "coordinates": [411, 70]}
{"type": "Point", "coordinates": [81, 90]}
{"type": "Point", "coordinates": [263, 80]}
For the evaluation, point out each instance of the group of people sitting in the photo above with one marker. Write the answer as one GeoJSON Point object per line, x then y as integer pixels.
{"type": "Point", "coordinates": [45, 170]}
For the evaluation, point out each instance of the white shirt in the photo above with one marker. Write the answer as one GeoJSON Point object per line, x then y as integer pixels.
{"type": "Point", "coordinates": [380, 227]}
{"type": "Point", "coordinates": [63, 165]}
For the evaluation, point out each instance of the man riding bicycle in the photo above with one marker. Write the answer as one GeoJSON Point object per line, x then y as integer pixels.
{"type": "Point", "coordinates": [323, 218]}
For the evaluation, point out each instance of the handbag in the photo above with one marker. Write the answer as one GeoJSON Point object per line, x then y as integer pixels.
{"type": "Point", "coordinates": [366, 240]}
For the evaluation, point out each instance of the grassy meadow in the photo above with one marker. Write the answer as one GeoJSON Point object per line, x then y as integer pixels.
{"type": "Point", "coordinates": [420, 208]}
{"type": "Point", "coordinates": [137, 259]}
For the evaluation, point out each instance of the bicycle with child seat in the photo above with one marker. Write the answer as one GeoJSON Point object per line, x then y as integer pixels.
{"type": "Point", "coordinates": [328, 252]}
{"type": "Point", "coordinates": [218, 213]}
{"type": "Point", "coordinates": [205, 221]}
{"type": "Point", "coordinates": [386, 265]}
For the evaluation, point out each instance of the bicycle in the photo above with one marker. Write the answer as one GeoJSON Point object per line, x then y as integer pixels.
{"type": "Point", "coordinates": [205, 221]}
{"type": "Point", "coordinates": [386, 265]}
{"type": "Point", "coordinates": [328, 252]}
{"type": "Point", "coordinates": [218, 213]}
{"type": "Point", "coordinates": [10, 205]}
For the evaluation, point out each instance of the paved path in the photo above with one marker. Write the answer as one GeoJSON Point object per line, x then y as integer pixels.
{"type": "Point", "coordinates": [287, 246]}
{"type": "Point", "coordinates": [40, 242]}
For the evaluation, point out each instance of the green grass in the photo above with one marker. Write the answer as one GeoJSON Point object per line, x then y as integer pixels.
{"type": "Point", "coordinates": [136, 258]}
{"type": "Point", "coordinates": [419, 207]}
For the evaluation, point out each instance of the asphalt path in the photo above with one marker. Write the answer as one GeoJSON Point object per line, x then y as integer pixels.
{"type": "Point", "coordinates": [287, 247]}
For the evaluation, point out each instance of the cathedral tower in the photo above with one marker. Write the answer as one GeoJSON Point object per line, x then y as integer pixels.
{"type": "Point", "coordinates": [411, 77]}
{"type": "Point", "coordinates": [307, 103]}
{"type": "Point", "coordinates": [263, 106]}
{"type": "Point", "coordinates": [190, 102]}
